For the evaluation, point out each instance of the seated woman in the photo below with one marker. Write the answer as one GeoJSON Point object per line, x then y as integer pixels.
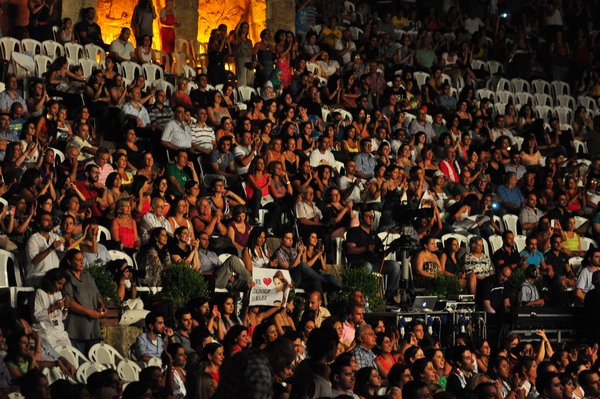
{"type": "Point", "coordinates": [427, 263]}
{"type": "Point", "coordinates": [239, 229]}
{"type": "Point", "coordinates": [51, 308]}
{"type": "Point", "coordinates": [216, 109]}
{"type": "Point", "coordinates": [183, 249]}
{"type": "Point", "coordinates": [155, 257]}
{"type": "Point", "coordinates": [68, 236]}
{"type": "Point", "coordinates": [19, 357]}
{"type": "Point", "coordinates": [256, 253]}
{"type": "Point", "coordinates": [223, 199]}
{"type": "Point", "coordinates": [179, 217]}
{"type": "Point", "coordinates": [451, 259]}
{"type": "Point", "coordinates": [477, 265]}
{"type": "Point", "coordinates": [338, 216]}
{"type": "Point", "coordinates": [120, 166]}
{"type": "Point", "coordinates": [124, 228]}
{"type": "Point", "coordinates": [133, 307]}
{"type": "Point", "coordinates": [572, 242]}
{"type": "Point", "coordinates": [112, 194]}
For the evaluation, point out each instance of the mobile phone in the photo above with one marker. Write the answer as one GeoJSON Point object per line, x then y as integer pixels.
{"type": "Point", "coordinates": [319, 243]}
{"type": "Point", "coordinates": [495, 205]}
{"type": "Point", "coordinates": [553, 223]}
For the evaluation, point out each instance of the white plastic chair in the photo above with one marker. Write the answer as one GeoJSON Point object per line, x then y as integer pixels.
{"type": "Point", "coordinates": [520, 242]}
{"type": "Point", "coordinates": [542, 99]}
{"type": "Point", "coordinates": [8, 260]}
{"type": "Point", "coordinates": [53, 49]}
{"type": "Point", "coordinates": [96, 53]}
{"type": "Point", "coordinates": [88, 66]}
{"type": "Point", "coordinates": [153, 72]}
{"type": "Point", "coordinates": [59, 156]}
{"type": "Point", "coordinates": [587, 102]}
{"type": "Point", "coordinates": [495, 242]}
{"type": "Point", "coordinates": [511, 223]}
{"type": "Point", "coordinates": [485, 93]}
{"type": "Point", "coordinates": [576, 264]}
{"type": "Point", "coordinates": [7, 46]}
{"type": "Point", "coordinates": [564, 114]}
{"type": "Point", "coordinates": [164, 85]}
{"type": "Point", "coordinates": [544, 112]}
{"type": "Point", "coordinates": [559, 87]}
{"type": "Point", "coordinates": [564, 100]}
{"type": "Point", "coordinates": [189, 72]}
{"type": "Point", "coordinates": [154, 361]}
{"type": "Point", "coordinates": [131, 69]}
{"type": "Point", "coordinates": [74, 52]}
{"type": "Point", "coordinates": [116, 254]}
{"type": "Point", "coordinates": [462, 240]}
{"type": "Point", "coordinates": [355, 31]}
{"type": "Point", "coordinates": [520, 85]}
{"type": "Point", "coordinates": [42, 63]}
{"type": "Point", "coordinates": [495, 67]}
{"type": "Point", "coordinates": [105, 354]}
{"type": "Point", "coordinates": [128, 370]}
{"type": "Point", "coordinates": [500, 108]}
{"type": "Point", "coordinates": [345, 114]}
{"type": "Point", "coordinates": [31, 46]}
{"type": "Point", "coordinates": [580, 146]}
{"type": "Point", "coordinates": [72, 354]}
{"type": "Point", "coordinates": [87, 369]}
{"type": "Point", "coordinates": [421, 77]}
{"type": "Point", "coordinates": [104, 231]}
{"type": "Point", "coordinates": [23, 65]}
{"type": "Point", "coordinates": [504, 84]}
{"type": "Point", "coordinates": [505, 96]}
{"type": "Point", "coordinates": [313, 67]}
{"type": "Point", "coordinates": [541, 86]}
{"type": "Point", "coordinates": [246, 93]}
{"type": "Point", "coordinates": [586, 243]}
{"type": "Point", "coordinates": [522, 98]}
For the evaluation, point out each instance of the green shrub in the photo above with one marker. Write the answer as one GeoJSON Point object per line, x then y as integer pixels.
{"type": "Point", "coordinates": [105, 283]}
{"type": "Point", "coordinates": [444, 286]}
{"type": "Point", "coordinates": [181, 283]}
{"type": "Point", "coordinates": [357, 279]}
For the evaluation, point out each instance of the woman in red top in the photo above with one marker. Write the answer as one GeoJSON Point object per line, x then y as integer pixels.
{"type": "Point", "coordinates": [124, 229]}
{"type": "Point", "coordinates": [257, 185]}
{"type": "Point", "coordinates": [213, 355]}
{"type": "Point", "coordinates": [386, 359]}
{"type": "Point", "coordinates": [168, 22]}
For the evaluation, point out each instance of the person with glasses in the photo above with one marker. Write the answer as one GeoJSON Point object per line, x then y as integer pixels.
{"type": "Point", "coordinates": [153, 219]}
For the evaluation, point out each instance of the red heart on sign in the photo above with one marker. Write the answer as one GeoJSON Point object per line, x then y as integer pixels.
{"type": "Point", "coordinates": [267, 281]}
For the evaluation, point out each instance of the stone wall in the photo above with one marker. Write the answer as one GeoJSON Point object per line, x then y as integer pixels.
{"type": "Point", "coordinates": [281, 14]}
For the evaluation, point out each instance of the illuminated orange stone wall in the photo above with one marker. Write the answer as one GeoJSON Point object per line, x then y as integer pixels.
{"type": "Point", "coordinates": [197, 17]}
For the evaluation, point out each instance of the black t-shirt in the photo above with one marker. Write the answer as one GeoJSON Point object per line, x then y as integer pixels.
{"type": "Point", "coordinates": [509, 259]}
{"type": "Point", "coordinates": [490, 289]}
{"type": "Point", "coordinates": [557, 262]}
{"type": "Point", "coordinates": [361, 238]}
{"type": "Point", "coordinates": [199, 98]}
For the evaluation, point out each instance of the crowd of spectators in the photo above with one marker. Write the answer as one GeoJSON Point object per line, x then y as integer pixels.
{"type": "Point", "coordinates": [359, 117]}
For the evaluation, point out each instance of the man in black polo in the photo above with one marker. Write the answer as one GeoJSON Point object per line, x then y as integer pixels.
{"type": "Point", "coordinates": [559, 271]}
{"type": "Point", "coordinates": [507, 254]}
{"type": "Point", "coordinates": [493, 293]}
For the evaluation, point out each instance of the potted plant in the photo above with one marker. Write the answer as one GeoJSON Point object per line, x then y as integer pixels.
{"type": "Point", "coordinates": [357, 279]}
{"type": "Point", "coordinates": [444, 286]}
{"type": "Point", "coordinates": [108, 291]}
{"type": "Point", "coordinates": [181, 283]}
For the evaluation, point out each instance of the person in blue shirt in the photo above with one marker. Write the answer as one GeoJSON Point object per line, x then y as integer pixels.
{"type": "Point", "coordinates": [531, 255]}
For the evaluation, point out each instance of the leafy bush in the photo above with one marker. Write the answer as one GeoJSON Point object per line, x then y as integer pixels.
{"type": "Point", "coordinates": [354, 278]}
{"type": "Point", "coordinates": [105, 283]}
{"type": "Point", "coordinates": [444, 286]}
{"type": "Point", "coordinates": [181, 283]}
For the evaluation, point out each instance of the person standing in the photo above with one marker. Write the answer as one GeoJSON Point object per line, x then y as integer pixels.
{"type": "Point", "coordinates": [39, 13]}
{"type": "Point", "coordinates": [168, 22]}
{"type": "Point", "coordinates": [143, 17]}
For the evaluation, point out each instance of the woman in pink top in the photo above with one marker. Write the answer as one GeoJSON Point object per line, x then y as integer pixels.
{"type": "Point", "coordinates": [257, 185]}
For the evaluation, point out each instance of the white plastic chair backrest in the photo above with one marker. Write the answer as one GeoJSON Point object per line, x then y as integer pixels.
{"type": "Point", "coordinates": [520, 85]}
{"type": "Point", "coordinates": [188, 71]}
{"type": "Point", "coordinates": [586, 243]}
{"type": "Point", "coordinates": [130, 68]}
{"type": "Point", "coordinates": [421, 78]}
{"type": "Point", "coordinates": [104, 231]}
{"type": "Point", "coordinates": [92, 52]}
{"type": "Point", "coordinates": [495, 242]}
{"type": "Point", "coordinates": [462, 240]}
{"type": "Point", "coordinates": [542, 99]}
{"type": "Point", "coordinates": [540, 86]}
{"type": "Point", "coordinates": [74, 52]}
{"type": "Point", "coordinates": [154, 361]}
{"type": "Point", "coordinates": [184, 46]}
{"type": "Point", "coordinates": [246, 93]}
{"type": "Point", "coordinates": [53, 49]}
{"type": "Point", "coordinates": [104, 354]}
{"type": "Point", "coordinates": [587, 102]}
{"type": "Point", "coordinates": [520, 242]}
{"type": "Point", "coordinates": [164, 85]}
{"type": "Point", "coordinates": [31, 46]}
{"type": "Point", "coordinates": [23, 65]}
{"type": "Point", "coordinates": [575, 263]}
{"type": "Point", "coordinates": [565, 100]}
{"type": "Point", "coordinates": [15, 395]}
{"type": "Point", "coordinates": [504, 96]}
{"type": "Point", "coordinates": [115, 254]}
{"type": "Point", "coordinates": [55, 30]}
{"type": "Point", "coordinates": [559, 87]}
{"type": "Point", "coordinates": [224, 257]}
{"type": "Point", "coordinates": [128, 370]}
{"type": "Point", "coordinates": [7, 259]}
{"type": "Point", "coordinates": [511, 222]}
{"type": "Point", "coordinates": [523, 98]}
{"type": "Point", "coordinates": [313, 67]}
{"type": "Point", "coordinates": [88, 66]}
{"type": "Point", "coordinates": [59, 156]}
{"type": "Point", "coordinates": [153, 72]}
{"type": "Point", "coordinates": [42, 62]}
{"type": "Point", "coordinates": [87, 369]}
{"type": "Point", "coordinates": [7, 46]}
{"type": "Point", "coordinates": [73, 355]}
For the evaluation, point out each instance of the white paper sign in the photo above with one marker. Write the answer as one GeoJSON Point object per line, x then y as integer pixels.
{"type": "Point", "coordinates": [272, 287]}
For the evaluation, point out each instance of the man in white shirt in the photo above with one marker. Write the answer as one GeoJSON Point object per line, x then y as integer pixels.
{"type": "Point", "coordinates": [121, 48]}
{"type": "Point", "coordinates": [135, 110]}
{"type": "Point", "coordinates": [351, 186]}
{"type": "Point", "coordinates": [153, 219]}
{"type": "Point", "coordinates": [245, 152]}
{"type": "Point", "coordinates": [177, 134]}
{"type": "Point", "coordinates": [345, 47]}
{"type": "Point", "coordinates": [41, 250]}
{"type": "Point", "coordinates": [322, 155]}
